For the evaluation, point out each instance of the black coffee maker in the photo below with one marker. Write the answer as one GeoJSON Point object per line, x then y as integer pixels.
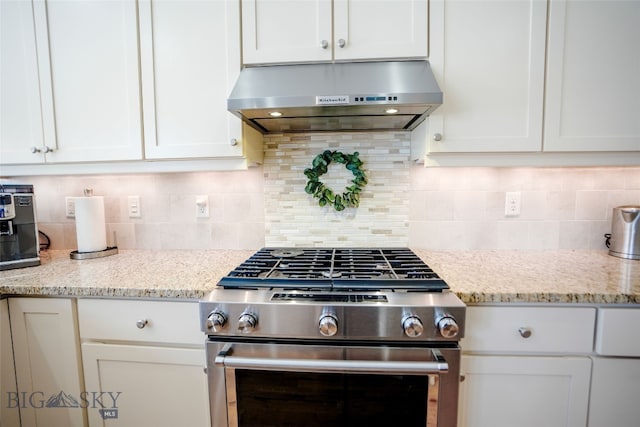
{"type": "Point", "coordinates": [19, 244]}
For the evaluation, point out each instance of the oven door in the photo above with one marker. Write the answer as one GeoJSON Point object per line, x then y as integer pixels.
{"type": "Point", "coordinates": [315, 385]}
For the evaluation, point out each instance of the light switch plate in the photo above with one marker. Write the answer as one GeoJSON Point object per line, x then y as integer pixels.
{"type": "Point", "coordinates": [70, 207]}
{"type": "Point", "coordinates": [133, 207]}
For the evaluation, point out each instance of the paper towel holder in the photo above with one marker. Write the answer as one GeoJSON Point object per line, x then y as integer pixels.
{"type": "Point", "coordinates": [97, 254]}
{"type": "Point", "coordinates": [110, 250]}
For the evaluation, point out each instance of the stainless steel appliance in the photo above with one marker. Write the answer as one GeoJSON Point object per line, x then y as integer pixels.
{"type": "Point", "coordinates": [340, 337]}
{"type": "Point", "coordinates": [624, 241]}
{"type": "Point", "coordinates": [348, 96]}
{"type": "Point", "coordinates": [19, 244]}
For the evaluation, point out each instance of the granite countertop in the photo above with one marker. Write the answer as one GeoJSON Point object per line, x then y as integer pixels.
{"type": "Point", "coordinates": [136, 274]}
{"type": "Point", "coordinates": [475, 276]}
{"type": "Point", "coordinates": [571, 276]}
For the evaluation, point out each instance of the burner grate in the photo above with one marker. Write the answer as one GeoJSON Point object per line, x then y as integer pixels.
{"type": "Point", "coordinates": [339, 268]}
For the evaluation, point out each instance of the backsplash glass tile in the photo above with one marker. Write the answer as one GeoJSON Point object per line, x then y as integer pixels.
{"type": "Point", "coordinates": [294, 218]}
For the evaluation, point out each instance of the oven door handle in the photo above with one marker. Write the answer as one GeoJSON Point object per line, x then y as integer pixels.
{"type": "Point", "coordinates": [391, 367]}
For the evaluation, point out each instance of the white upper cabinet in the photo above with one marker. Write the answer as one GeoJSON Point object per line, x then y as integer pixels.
{"type": "Point", "coordinates": [280, 31]}
{"type": "Point", "coordinates": [190, 51]}
{"type": "Point", "coordinates": [21, 128]}
{"type": "Point", "coordinates": [488, 57]}
{"type": "Point", "coordinates": [593, 84]}
{"type": "Point", "coordinates": [102, 86]}
{"type": "Point", "coordinates": [286, 31]}
{"type": "Point", "coordinates": [374, 29]}
{"type": "Point", "coordinates": [499, 96]}
{"type": "Point", "coordinates": [70, 82]}
{"type": "Point", "coordinates": [88, 54]}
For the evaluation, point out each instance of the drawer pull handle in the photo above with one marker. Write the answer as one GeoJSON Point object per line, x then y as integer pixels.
{"type": "Point", "coordinates": [525, 332]}
{"type": "Point", "coordinates": [142, 323]}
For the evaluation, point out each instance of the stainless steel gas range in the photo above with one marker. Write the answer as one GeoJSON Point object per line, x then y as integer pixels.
{"type": "Point", "coordinates": [333, 336]}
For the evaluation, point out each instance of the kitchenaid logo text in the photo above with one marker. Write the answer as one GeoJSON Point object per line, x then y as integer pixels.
{"type": "Point", "coordinates": [330, 100]}
{"type": "Point", "coordinates": [104, 401]}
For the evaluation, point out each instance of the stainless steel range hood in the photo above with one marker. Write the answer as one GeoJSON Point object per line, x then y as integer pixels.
{"type": "Point", "coordinates": [355, 96]}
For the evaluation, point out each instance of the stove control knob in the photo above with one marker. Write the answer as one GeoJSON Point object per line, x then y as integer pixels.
{"type": "Point", "coordinates": [216, 321]}
{"type": "Point", "coordinates": [328, 325]}
{"type": "Point", "coordinates": [247, 322]}
{"type": "Point", "coordinates": [448, 327]}
{"type": "Point", "coordinates": [412, 326]}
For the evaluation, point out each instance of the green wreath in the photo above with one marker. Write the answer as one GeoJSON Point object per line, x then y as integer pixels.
{"type": "Point", "coordinates": [349, 198]}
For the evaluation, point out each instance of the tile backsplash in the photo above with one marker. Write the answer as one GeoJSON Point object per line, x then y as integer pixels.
{"type": "Point", "coordinates": [168, 209]}
{"type": "Point", "coordinates": [294, 218]}
{"type": "Point", "coordinates": [403, 203]}
{"type": "Point", "coordinates": [561, 208]}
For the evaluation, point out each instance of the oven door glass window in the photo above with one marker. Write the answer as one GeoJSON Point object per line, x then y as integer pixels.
{"type": "Point", "coordinates": [270, 398]}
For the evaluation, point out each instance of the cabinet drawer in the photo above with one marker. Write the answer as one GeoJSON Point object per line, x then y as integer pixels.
{"type": "Point", "coordinates": [117, 320]}
{"type": "Point", "coordinates": [529, 329]}
{"type": "Point", "coordinates": [617, 333]}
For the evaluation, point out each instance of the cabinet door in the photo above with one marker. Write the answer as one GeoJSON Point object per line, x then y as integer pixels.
{"type": "Point", "coordinates": [9, 415]}
{"type": "Point", "coordinates": [21, 126]}
{"type": "Point", "coordinates": [47, 360]}
{"type": "Point", "coordinates": [88, 53]}
{"type": "Point", "coordinates": [524, 391]}
{"type": "Point", "coordinates": [374, 29]}
{"type": "Point", "coordinates": [152, 386]}
{"type": "Point", "coordinates": [190, 52]}
{"type": "Point", "coordinates": [592, 76]}
{"type": "Point", "coordinates": [488, 58]}
{"type": "Point", "coordinates": [615, 388]}
{"type": "Point", "coordinates": [286, 31]}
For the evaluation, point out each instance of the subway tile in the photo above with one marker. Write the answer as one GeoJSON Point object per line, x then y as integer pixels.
{"type": "Point", "coordinates": [591, 205]}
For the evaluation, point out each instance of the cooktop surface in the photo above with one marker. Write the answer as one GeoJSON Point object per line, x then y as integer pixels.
{"type": "Point", "coordinates": [335, 268]}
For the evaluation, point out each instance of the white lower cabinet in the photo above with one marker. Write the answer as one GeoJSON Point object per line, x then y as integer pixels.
{"type": "Point", "coordinates": [615, 383]}
{"type": "Point", "coordinates": [9, 408]}
{"type": "Point", "coordinates": [145, 385]}
{"type": "Point", "coordinates": [146, 358]}
{"type": "Point", "coordinates": [524, 391]}
{"type": "Point", "coordinates": [47, 362]}
{"type": "Point", "coordinates": [615, 392]}
{"type": "Point", "coordinates": [526, 366]}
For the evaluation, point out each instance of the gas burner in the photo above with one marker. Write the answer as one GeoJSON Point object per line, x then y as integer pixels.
{"type": "Point", "coordinates": [421, 275]}
{"type": "Point", "coordinates": [246, 273]}
{"type": "Point", "coordinates": [331, 274]}
{"type": "Point", "coordinates": [286, 253]}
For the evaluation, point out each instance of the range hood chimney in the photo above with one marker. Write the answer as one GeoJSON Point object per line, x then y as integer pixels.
{"type": "Point", "coordinates": [354, 96]}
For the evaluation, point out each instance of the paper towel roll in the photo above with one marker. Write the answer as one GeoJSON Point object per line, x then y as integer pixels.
{"type": "Point", "coordinates": [90, 224]}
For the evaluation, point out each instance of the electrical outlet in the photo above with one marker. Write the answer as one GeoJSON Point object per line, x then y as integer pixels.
{"type": "Point", "coordinates": [202, 206]}
{"type": "Point", "coordinates": [133, 207]}
{"type": "Point", "coordinates": [512, 203]}
{"type": "Point", "coordinates": [70, 207]}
